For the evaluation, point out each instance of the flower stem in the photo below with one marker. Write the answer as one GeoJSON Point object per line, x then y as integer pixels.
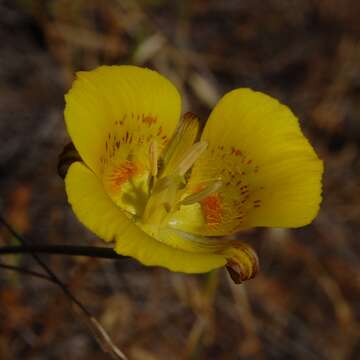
{"type": "Point", "coordinates": [25, 271]}
{"type": "Point", "coordinates": [99, 332]}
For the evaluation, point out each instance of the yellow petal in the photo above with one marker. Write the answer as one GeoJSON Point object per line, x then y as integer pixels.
{"type": "Point", "coordinates": [123, 107]}
{"type": "Point", "coordinates": [271, 174]}
{"type": "Point", "coordinates": [96, 211]}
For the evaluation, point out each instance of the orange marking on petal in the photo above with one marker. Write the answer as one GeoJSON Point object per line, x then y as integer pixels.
{"type": "Point", "coordinates": [257, 203]}
{"type": "Point", "coordinates": [123, 173]}
{"type": "Point", "coordinates": [159, 131]}
{"type": "Point", "coordinates": [212, 209]}
{"type": "Point", "coordinates": [149, 120]}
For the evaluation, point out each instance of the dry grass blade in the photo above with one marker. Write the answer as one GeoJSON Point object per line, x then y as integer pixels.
{"type": "Point", "coordinates": [104, 339]}
{"type": "Point", "coordinates": [149, 48]}
{"type": "Point", "coordinates": [204, 89]}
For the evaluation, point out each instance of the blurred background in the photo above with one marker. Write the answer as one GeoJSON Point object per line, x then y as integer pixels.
{"type": "Point", "coordinates": [305, 302]}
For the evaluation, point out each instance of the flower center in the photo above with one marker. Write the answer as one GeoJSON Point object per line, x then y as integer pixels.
{"type": "Point", "coordinates": [166, 192]}
{"type": "Point", "coordinates": [150, 185]}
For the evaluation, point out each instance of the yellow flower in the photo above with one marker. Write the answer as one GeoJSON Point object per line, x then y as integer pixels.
{"type": "Point", "coordinates": [170, 199]}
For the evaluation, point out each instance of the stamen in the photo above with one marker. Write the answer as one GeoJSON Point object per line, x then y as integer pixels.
{"type": "Point", "coordinates": [161, 201]}
{"type": "Point", "coordinates": [180, 144]}
{"type": "Point", "coordinates": [187, 129]}
{"type": "Point", "coordinates": [164, 183]}
{"type": "Point", "coordinates": [191, 156]}
{"type": "Point", "coordinates": [208, 190]}
{"type": "Point", "coordinates": [153, 158]}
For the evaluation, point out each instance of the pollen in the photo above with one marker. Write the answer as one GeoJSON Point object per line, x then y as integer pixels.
{"type": "Point", "coordinates": [212, 209]}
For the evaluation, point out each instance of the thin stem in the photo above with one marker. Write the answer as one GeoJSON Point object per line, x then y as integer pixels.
{"type": "Point", "coordinates": [51, 274]}
{"type": "Point", "coordinates": [89, 251]}
{"type": "Point", "coordinates": [25, 271]}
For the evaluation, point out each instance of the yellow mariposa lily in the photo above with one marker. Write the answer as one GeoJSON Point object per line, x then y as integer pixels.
{"type": "Point", "coordinates": [170, 199]}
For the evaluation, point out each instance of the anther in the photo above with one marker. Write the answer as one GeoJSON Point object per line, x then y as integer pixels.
{"type": "Point", "coordinates": [153, 158]}
{"type": "Point", "coordinates": [208, 190]}
{"type": "Point", "coordinates": [191, 156]}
